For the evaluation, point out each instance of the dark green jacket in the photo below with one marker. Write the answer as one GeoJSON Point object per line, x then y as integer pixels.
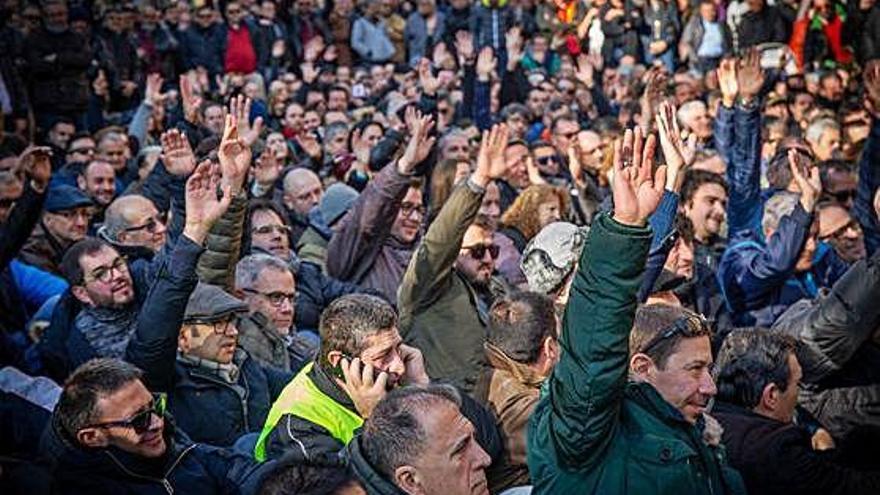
{"type": "Point", "coordinates": [595, 433]}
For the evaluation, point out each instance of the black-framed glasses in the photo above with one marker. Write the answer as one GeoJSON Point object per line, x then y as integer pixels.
{"type": "Point", "coordinates": [275, 298]}
{"type": "Point", "coordinates": [270, 229]}
{"type": "Point", "coordinates": [151, 226]}
{"type": "Point", "coordinates": [141, 421]}
{"type": "Point", "coordinates": [478, 251]}
{"type": "Point", "coordinates": [842, 196]}
{"type": "Point", "coordinates": [686, 326]}
{"type": "Point", "coordinates": [843, 231]}
{"type": "Point", "coordinates": [104, 274]}
{"type": "Point", "coordinates": [408, 208]}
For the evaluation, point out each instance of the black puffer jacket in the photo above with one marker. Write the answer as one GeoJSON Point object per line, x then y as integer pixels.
{"type": "Point", "coordinates": [841, 364]}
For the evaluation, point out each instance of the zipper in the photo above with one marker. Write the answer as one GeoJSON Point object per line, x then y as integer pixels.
{"type": "Point", "coordinates": [163, 481]}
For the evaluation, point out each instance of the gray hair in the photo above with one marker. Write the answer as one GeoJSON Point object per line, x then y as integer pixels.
{"type": "Point", "coordinates": [394, 434]}
{"type": "Point", "coordinates": [115, 218]}
{"type": "Point", "coordinates": [250, 267]}
{"type": "Point", "coordinates": [454, 132]}
{"type": "Point", "coordinates": [776, 208]}
{"type": "Point", "coordinates": [687, 108]}
{"type": "Point", "coordinates": [818, 127]}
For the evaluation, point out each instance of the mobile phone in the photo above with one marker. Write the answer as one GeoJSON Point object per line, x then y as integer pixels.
{"type": "Point", "coordinates": [337, 370]}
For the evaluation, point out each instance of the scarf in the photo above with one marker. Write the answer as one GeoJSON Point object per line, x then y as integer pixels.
{"type": "Point", "coordinates": [107, 330]}
{"type": "Point", "coordinates": [228, 372]}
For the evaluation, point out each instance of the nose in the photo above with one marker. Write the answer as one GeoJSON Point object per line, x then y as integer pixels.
{"type": "Point", "coordinates": [707, 384]}
{"type": "Point", "coordinates": [852, 233]}
{"type": "Point", "coordinates": [482, 460]}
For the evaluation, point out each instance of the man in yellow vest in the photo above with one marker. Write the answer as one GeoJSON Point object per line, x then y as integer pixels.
{"type": "Point", "coordinates": [361, 357]}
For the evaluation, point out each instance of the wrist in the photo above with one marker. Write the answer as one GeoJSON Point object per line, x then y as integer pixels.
{"type": "Point", "coordinates": [728, 101]}
{"type": "Point", "coordinates": [479, 181]}
{"type": "Point", "coordinates": [195, 232]}
{"type": "Point", "coordinates": [628, 221]}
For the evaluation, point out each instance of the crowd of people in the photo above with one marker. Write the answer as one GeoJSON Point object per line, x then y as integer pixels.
{"type": "Point", "coordinates": [439, 247]}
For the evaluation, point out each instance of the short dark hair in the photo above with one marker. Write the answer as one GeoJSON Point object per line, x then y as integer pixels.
{"type": "Point", "coordinates": [393, 435]}
{"type": "Point", "coordinates": [77, 407]}
{"type": "Point", "coordinates": [651, 323]}
{"type": "Point", "coordinates": [749, 360]}
{"type": "Point", "coordinates": [519, 323]}
{"type": "Point", "coordinates": [694, 179]}
{"type": "Point", "coordinates": [255, 205]}
{"type": "Point", "coordinates": [323, 475]}
{"type": "Point", "coordinates": [348, 321]}
{"type": "Point", "coordinates": [778, 169]}
{"type": "Point", "coordinates": [70, 268]}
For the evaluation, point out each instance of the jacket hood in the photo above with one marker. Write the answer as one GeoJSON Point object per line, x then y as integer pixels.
{"type": "Point", "coordinates": [521, 372]}
{"type": "Point", "coordinates": [373, 482]}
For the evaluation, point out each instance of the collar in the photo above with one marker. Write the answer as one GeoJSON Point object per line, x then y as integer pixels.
{"type": "Point", "coordinates": [228, 372]}
{"type": "Point", "coordinates": [327, 385]}
{"type": "Point", "coordinates": [521, 372]}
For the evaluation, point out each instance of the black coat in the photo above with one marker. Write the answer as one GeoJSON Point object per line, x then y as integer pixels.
{"type": "Point", "coordinates": [186, 468]}
{"type": "Point", "coordinates": [58, 85]}
{"type": "Point", "coordinates": [775, 457]}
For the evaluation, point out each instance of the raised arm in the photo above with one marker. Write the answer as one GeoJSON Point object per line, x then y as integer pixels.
{"type": "Point", "coordinates": [723, 133]}
{"type": "Point", "coordinates": [430, 268]}
{"type": "Point", "coordinates": [869, 164]}
{"type": "Point", "coordinates": [35, 162]}
{"type": "Point", "coordinates": [369, 222]}
{"type": "Point", "coordinates": [579, 415]}
{"type": "Point", "coordinates": [153, 346]}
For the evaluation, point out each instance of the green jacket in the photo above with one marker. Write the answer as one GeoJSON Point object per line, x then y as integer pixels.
{"type": "Point", "coordinates": [223, 246]}
{"type": "Point", "coordinates": [312, 247]}
{"type": "Point", "coordinates": [594, 432]}
{"type": "Point", "coordinates": [440, 311]}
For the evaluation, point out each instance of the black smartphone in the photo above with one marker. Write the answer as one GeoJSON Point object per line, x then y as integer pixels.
{"type": "Point", "coordinates": [337, 370]}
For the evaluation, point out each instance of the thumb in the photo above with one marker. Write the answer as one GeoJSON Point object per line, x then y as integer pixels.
{"type": "Point", "coordinates": [660, 179]}
{"type": "Point", "coordinates": [258, 125]}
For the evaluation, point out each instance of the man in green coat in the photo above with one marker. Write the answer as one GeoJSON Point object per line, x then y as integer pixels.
{"type": "Point", "coordinates": [616, 421]}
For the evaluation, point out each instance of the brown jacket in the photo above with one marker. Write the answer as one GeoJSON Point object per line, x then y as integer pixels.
{"type": "Point", "coordinates": [511, 391]}
{"type": "Point", "coordinates": [43, 250]}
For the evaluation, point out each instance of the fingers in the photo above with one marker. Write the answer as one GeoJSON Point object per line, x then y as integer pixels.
{"type": "Point", "coordinates": [618, 155]}
{"type": "Point", "coordinates": [638, 143]}
{"type": "Point", "coordinates": [647, 161]}
{"type": "Point", "coordinates": [660, 179]}
{"type": "Point", "coordinates": [793, 166]}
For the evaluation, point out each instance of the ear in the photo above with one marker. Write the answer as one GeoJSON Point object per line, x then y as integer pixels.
{"type": "Point", "coordinates": [81, 294]}
{"type": "Point", "coordinates": [81, 182]}
{"type": "Point", "coordinates": [641, 366]}
{"type": "Point", "coordinates": [184, 340]}
{"type": "Point", "coordinates": [333, 357]}
{"type": "Point", "coordinates": [92, 437]}
{"type": "Point", "coordinates": [769, 397]}
{"type": "Point", "coordinates": [407, 479]}
{"type": "Point", "coordinates": [551, 349]}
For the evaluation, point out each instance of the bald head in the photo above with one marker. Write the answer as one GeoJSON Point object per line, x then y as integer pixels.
{"type": "Point", "coordinates": [133, 220]}
{"type": "Point", "coordinates": [302, 190]}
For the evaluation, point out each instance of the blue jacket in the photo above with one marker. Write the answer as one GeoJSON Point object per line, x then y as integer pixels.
{"type": "Point", "coordinates": [757, 276]}
{"type": "Point", "coordinates": [204, 47]}
{"type": "Point", "coordinates": [206, 408]}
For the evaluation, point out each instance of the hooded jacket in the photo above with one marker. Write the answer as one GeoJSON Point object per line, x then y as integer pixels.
{"type": "Point", "coordinates": [373, 481]}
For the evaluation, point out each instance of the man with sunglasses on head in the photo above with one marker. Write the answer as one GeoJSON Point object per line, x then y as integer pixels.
{"type": "Point", "coordinates": [109, 434]}
{"type": "Point", "coordinates": [445, 295]}
{"type": "Point", "coordinates": [625, 405]}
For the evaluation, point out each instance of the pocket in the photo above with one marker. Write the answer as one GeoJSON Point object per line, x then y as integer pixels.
{"type": "Point", "coordinates": [662, 465]}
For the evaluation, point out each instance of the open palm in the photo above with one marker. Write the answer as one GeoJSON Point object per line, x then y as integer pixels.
{"type": "Point", "coordinates": [635, 190]}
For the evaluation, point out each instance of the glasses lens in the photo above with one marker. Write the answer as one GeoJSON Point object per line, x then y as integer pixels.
{"type": "Point", "coordinates": [141, 422]}
{"type": "Point", "coordinates": [494, 251]}
{"type": "Point", "coordinates": [477, 252]}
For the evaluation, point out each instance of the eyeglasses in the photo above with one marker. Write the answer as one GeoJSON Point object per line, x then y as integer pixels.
{"type": "Point", "coordinates": [686, 326]}
{"type": "Point", "coordinates": [141, 421]}
{"type": "Point", "coordinates": [546, 160]}
{"type": "Point", "coordinates": [71, 214]}
{"type": "Point", "coordinates": [270, 229]}
{"type": "Point", "coordinates": [843, 231]}
{"type": "Point", "coordinates": [151, 226]}
{"type": "Point", "coordinates": [478, 251]}
{"type": "Point", "coordinates": [408, 208]}
{"type": "Point", "coordinates": [104, 274]}
{"type": "Point", "coordinates": [84, 151]}
{"type": "Point", "coordinates": [275, 298]}
{"type": "Point", "coordinates": [225, 326]}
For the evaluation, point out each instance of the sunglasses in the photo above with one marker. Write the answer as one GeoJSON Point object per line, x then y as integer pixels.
{"type": "Point", "coordinates": [151, 226]}
{"type": "Point", "coordinates": [546, 160]}
{"type": "Point", "coordinates": [141, 421]}
{"type": "Point", "coordinates": [686, 326]}
{"type": "Point", "coordinates": [478, 251]}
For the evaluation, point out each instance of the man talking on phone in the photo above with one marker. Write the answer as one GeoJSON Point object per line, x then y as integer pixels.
{"type": "Point", "coordinates": [362, 356]}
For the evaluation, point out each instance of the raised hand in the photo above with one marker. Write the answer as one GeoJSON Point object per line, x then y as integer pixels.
{"type": "Point", "coordinates": [419, 145]}
{"type": "Point", "coordinates": [486, 63]}
{"type": "Point", "coordinates": [360, 147]}
{"type": "Point", "coordinates": [190, 101]}
{"type": "Point", "coordinates": [872, 88]}
{"type": "Point", "coordinates": [313, 49]}
{"type": "Point", "coordinates": [203, 206]}
{"type": "Point", "coordinates": [750, 75]}
{"type": "Point", "coordinates": [464, 46]}
{"type": "Point", "coordinates": [414, 363]}
{"type": "Point", "coordinates": [429, 83]}
{"type": "Point", "coordinates": [490, 160]}
{"type": "Point", "coordinates": [234, 155]}
{"type": "Point", "coordinates": [679, 155]}
{"type": "Point", "coordinates": [240, 107]}
{"type": "Point", "coordinates": [727, 82]}
{"type": "Point", "coordinates": [177, 154]}
{"type": "Point", "coordinates": [153, 91]}
{"type": "Point", "coordinates": [575, 168]}
{"type": "Point", "coordinates": [811, 188]}
{"type": "Point", "coordinates": [36, 164]}
{"type": "Point", "coordinates": [585, 72]}
{"type": "Point", "coordinates": [635, 191]}
{"type": "Point", "coordinates": [514, 45]}
{"type": "Point", "coordinates": [309, 143]}
{"type": "Point", "coordinates": [534, 174]}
